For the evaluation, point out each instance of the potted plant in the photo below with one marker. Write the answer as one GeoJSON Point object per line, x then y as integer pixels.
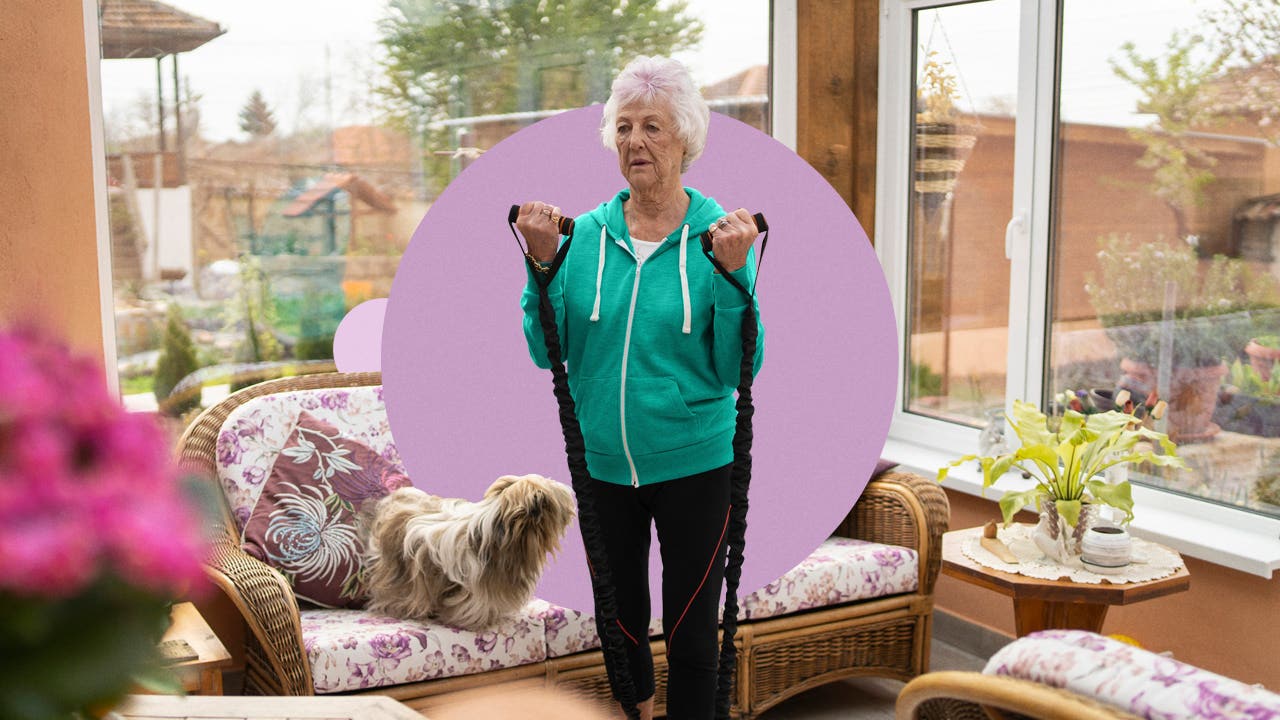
{"type": "Point", "coordinates": [97, 537]}
{"type": "Point", "coordinates": [1066, 456]}
{"type": "Point", "coordinates": [942, 144]}
{"type": "Point", "coordinates": [1210, 316]}
{"type": "Point", "coordinates": [1264, 353]}
{"type": "Point", "coordinates": [1250, 403]}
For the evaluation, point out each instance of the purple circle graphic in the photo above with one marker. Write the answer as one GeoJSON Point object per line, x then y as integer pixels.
{"type": "Point", "coordinates": [467, 404]}
{"type": "Point", "coordinates": [357, 344]}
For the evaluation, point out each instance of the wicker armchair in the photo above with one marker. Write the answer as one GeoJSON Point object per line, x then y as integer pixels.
{"type": "Point", "coordinates": [1080, 675]}
{"type": "Point", "coordinates": [778, 656]}
{"type": "Point", "coordinates": [974, 696]}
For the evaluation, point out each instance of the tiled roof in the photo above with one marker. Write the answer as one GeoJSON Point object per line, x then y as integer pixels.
{"type": "Point", "coordinates": [752, 81]}
{"type": "Point", "coordinates": [332, 183]}
{"type": "Point", "coordinates": [147, 29]}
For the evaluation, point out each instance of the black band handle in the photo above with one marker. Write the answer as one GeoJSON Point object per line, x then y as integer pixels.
{"type": "Point", "coordinates": [761, 226]}
{"type": "Point", "coordinates": [565, 225]}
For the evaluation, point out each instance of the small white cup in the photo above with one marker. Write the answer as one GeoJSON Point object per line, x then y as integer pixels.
{"type": "Point", "coordinates": [1105, 549]}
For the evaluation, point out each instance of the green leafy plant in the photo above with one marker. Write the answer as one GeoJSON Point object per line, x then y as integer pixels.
{"type": "Point", "coordinates": [1066, 456]}
{"type": "Point", "coordinates": [177, 360]}
{"type": "Point", "coordinates": [925, 382]}
{"type": "Point", "coordinates": [1248, 381]}
{"type": "Point", "coordinates": [1213, 308]}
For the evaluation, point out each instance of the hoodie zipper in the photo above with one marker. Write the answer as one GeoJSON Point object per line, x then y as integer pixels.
{"type": "Point", "coordinates": [626, 353]}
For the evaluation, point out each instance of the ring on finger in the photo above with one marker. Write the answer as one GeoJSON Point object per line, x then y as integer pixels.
{"type": "Point", "coordinates": [723, 222]}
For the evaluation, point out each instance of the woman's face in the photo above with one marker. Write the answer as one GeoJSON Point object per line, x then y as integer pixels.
{"type": "Point", "coordinates": [649, 149]}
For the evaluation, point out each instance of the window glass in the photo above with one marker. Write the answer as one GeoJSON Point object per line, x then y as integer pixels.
{"type": "Point", "coordinates": [965, 94]}
{"type": "Point", "coordinates": [1166, 231]}
{"type": "Point", "coordinates": [268, 162]}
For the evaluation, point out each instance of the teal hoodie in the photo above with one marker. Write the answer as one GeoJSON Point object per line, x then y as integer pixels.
{"type": "Point", "coordinates": [653, 350]}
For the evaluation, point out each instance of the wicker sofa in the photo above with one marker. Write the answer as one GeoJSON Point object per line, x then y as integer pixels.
{"type": "Point", "coordinates": [1079, 675]}
{"type": "Point", "coordinates": [780, 653]}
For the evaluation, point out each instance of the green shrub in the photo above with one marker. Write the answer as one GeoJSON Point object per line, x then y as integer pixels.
{"type": "Point", "coordinates": [924, 381]}
{"type": "Point", "coordinates": [177, 360]}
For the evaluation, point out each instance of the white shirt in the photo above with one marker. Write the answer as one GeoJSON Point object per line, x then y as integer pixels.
{"type": "Point", "coordinates": [644, 248]}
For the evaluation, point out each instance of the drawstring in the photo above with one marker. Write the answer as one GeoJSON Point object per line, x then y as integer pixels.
{"type": "Point", "coordinates": [684, 280]}
{"type": "Point", "coordinates": [595, 309]}
{"type": "Point", "coordinates": [687, 326]}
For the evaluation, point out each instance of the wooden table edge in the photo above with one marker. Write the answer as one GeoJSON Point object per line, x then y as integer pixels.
{"type": "Point", "coordinates": [961, 567]}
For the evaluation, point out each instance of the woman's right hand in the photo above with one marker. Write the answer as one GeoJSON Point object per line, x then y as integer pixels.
{"type": "Point", "coordinates": [539, 222]}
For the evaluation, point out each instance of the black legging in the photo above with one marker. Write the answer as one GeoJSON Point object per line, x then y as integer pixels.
{"type": "Point", "coordinates": [691, 514]}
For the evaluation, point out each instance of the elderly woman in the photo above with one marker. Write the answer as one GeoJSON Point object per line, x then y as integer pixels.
{"type": "Point", "coordinates": [651, 335]}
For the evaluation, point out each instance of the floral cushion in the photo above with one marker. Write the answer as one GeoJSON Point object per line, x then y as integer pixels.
{"type": "Point", "coordinates": [571, 631]}
{"type": "Point", "coordinates": [841, 570]}
{"type": "Point", "coordinates": [1133, 679]}
{"type": "Point", "coordinates": [254, 434]}
{"type": "Point", "coordinates": [304, 522]}
{"type": "Point", "coordinates": [355, 649]}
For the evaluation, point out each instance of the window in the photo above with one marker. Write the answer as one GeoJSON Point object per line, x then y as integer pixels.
{"type": "Point", "coordinates": [1082, 197]}
{"type": "Point", "coordinates": [269, 162]}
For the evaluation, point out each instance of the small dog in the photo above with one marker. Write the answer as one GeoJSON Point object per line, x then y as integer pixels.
{"type": "Point", "coordinates": [463, 563]}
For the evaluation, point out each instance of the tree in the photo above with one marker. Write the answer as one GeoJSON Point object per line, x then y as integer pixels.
{"type": "Point", "coordinates": [1248, 33]}
{"type": "Point", "coordinates": [454, 58]}
{"type": "Point", "coordinates": [177, 360]}
{"type": "Point", "coordinates": [256, 118]}
{"type": "Point", "coordinates": [1172, 88]}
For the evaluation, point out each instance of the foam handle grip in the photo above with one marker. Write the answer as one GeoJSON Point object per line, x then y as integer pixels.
{"type": "Point", "coordinates": [761, 226]}
{"type": "Point", "coordinates": [565, 225]}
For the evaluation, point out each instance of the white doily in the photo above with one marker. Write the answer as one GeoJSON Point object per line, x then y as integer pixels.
{"type": "Point", "coordinates": [1148, 561]}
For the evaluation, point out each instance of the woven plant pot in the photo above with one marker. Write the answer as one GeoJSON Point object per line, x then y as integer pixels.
{"type": "Point", "coordinates": [940, 155]}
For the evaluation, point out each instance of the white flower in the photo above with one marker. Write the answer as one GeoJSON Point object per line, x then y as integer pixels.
{"type": "Point", "coordinates": [308, 535]}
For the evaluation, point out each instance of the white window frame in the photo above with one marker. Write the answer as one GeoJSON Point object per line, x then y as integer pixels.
{"type": "Point", "coordinates": [1226, 536]}
{"type": "Point", "coordinates": [98, 145]}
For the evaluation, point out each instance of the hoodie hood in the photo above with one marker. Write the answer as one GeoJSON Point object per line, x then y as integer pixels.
{"type": "Point", "coordinates": [701, 213]}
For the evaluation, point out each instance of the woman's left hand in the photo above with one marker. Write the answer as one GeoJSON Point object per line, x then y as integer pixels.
{"type": "Point", "coordinates": [731, 238]}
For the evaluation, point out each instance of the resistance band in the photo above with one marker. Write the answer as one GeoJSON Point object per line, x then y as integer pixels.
{"type": "Point", "coordinates": [612, 643]}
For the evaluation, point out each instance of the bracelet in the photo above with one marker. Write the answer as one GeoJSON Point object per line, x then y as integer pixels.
{"type": "Point", "coordinates": [537, 264]}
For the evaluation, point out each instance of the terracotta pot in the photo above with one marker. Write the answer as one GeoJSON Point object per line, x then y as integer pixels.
{"type": "Point", "coordinates": [1193, 396]}
{"type": "Point", "coordinates": [1262, 358]}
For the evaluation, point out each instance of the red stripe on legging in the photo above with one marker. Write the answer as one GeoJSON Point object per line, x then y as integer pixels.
{"type": "Point", "coordinates": [624, 632]}
{"type": "Point", "coordinates": [714, 554]}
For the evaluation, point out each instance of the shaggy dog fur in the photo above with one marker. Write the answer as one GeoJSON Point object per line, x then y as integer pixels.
{"type": "Point", "coordinates": [467, 564]}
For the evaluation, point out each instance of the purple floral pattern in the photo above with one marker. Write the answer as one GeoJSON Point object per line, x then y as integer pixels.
{"type": "Point", "coordinates": [255, 433]}
{"type": "Point", "coordinates": [1130, 678]}
{"type": "Point", "coordinates": [839, 571]}
{"type": "Point", "coordinates": [358, 650]}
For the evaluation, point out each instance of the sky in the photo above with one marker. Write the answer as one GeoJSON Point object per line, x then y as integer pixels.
{"type": "Point", "coordinates": [279, 47]}
{"type": "Point", "coordinates": [980, 41]}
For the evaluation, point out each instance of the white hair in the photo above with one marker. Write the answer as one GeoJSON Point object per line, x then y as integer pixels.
{"type": "Point", "coordinates": [653, 79]}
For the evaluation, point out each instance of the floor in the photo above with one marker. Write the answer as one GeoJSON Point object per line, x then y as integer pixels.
{"type": "Point", "coordinates": [866, 698]}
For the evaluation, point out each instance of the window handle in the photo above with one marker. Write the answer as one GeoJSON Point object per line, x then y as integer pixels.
{"type": "Point", "coordinates": [1016, 225]}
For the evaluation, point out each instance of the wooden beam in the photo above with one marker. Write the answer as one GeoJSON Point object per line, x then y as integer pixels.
{"type": "Point", "coordinates": [837, 64]}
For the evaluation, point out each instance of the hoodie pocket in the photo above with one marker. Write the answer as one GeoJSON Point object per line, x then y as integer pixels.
{"type": "Point", "coordinates": [657, 417]}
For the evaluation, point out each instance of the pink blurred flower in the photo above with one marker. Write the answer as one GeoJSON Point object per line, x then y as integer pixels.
{"type": "Point", "coordinates": [87, 490]}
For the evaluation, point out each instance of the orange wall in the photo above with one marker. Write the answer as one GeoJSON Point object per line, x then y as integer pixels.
{"type": "Point", "coordinates": [1225, 623]}
{"type": "Point", "coordinates": [48, 242]}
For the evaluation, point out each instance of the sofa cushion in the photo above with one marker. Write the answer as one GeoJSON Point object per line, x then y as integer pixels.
{"type": "Point", "coordinates": [254, 434]}
{"type": "Point", "coordinates": [356, 649]}
{"type": "Point", "coordinates": [1130, 678]}
{"type": "Point", "coordinates": [841, 570]}
{"type": "Point", "coordinates": [304, 523]}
